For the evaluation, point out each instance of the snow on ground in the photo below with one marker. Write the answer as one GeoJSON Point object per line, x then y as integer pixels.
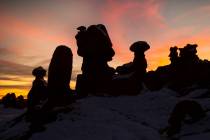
{"type": "Point", "coordinates": [118, 118]}
{"type": "Point", "coordinates": [7, 114]}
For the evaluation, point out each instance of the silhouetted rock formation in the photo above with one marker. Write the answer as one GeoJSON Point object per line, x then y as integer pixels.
{"type": "Point", "coordinates": [174, 58]}
{"type": "Point", "coordinates": [95, 46]}
{"type": "Point", "coordinates": [190, 69]}
{"type": "Point", "coordinates": [57, 90]}
{"type": "Point", "coordinates": [20, 103]}
{"type": "Point", "coordinates": [9, 100]}
{"type": "Point", "coordinates": [181, 111]}
{"type": "Point", "coordinates": [59, 76]}
{"type": "Point", "coordinates": [139, 64]}
{"type": "Point", "coordinates": [131, 75]}
{"type": "Point", "coordinates": [185, 70]}
{"type": "Point", "coordinates": [188, 54]}
{"type": "Point", "coordinates": [38, 92]}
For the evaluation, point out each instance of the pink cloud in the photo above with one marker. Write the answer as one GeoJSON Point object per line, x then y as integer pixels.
{"type": "Point", "coordinates": [22, 38]}
{"type": "Point", "coordinates": [129, 21]}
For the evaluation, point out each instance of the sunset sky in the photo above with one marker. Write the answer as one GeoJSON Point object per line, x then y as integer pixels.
{"type": "Point", "coordinates": [30, 30]}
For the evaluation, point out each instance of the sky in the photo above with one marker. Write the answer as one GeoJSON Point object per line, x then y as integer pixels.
{"type": "Point", "coordinates": [30, 30]}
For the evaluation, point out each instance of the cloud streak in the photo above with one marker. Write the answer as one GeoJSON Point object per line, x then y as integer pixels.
{"type": "Point", "coordinates": [7, 67]}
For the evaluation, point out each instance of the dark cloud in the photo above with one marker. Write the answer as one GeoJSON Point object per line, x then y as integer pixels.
{"type": "Point", "coordinates": [175, 8]}
{"type": "Point", "coordinates": [22, 3]}
{"type": "Point", "coordinates": [5, 52]}
{"type": "Point", "coordinates": [12, 68]}
{"type": "Point", "coordinates": [31, 5]}
{"type": "Point", "coordinates": [10, 78]}
{"type": "Point", "coordinates": [21, 70]}
{"type": "Point", "coordinates": [11, 55]}
{"type": "Point", "coordinates": [15, 86]}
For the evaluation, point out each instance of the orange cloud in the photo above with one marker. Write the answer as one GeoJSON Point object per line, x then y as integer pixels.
{"type": "Point", "coordinates": [141, 18]}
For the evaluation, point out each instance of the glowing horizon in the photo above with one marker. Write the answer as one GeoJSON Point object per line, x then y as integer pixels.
{"type": "Point", "coordinates": [31, 30]}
